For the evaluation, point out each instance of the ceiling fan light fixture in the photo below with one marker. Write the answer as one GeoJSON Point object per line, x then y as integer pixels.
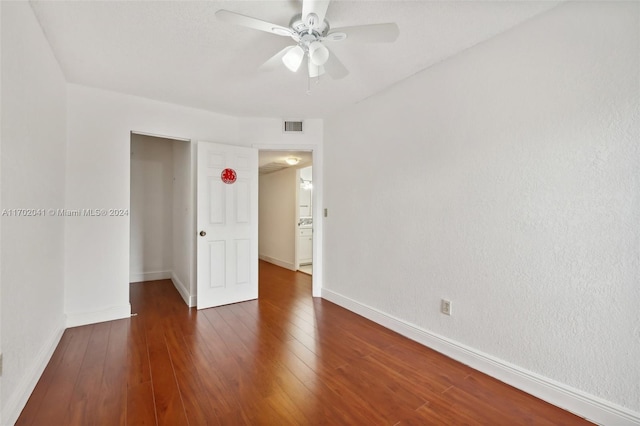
{"type": "Point", "coordinates": [293, 58]}
{"type": "Point", "coordinates": [318, 53]}
{"type": "Point", "coordinates": [292, 161]}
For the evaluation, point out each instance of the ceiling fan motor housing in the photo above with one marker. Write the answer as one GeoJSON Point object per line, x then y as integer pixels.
{"type": "Point", "coordinates": [318, 30]}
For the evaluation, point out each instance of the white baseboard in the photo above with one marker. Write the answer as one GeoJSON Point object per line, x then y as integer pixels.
{"type": "Point", "coordinates": [149, 276]}
{"type": "Point", "coordinates": [287, 265]}
{"type": "Point", "coordinates": [18, 399]}
{"type": "Point", "coordinates": [190, 300]}
{"type": "Point", "coordinates": [576, 401]}
{"type": "Point", "coordinates": [76, 319]}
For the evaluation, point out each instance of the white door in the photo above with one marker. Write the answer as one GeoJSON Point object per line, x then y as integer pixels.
{"type": "Point", "coordinates": [227, 270]}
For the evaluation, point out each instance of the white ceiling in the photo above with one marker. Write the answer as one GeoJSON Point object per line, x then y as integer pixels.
{"type": "Point", "coordinates": [176, 51]}
{"type": "Point", "coordinates": [273, 161]}
{"type": "Point", "coordinates": [280, 157]}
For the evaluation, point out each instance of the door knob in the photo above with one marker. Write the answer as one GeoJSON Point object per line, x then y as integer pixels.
{"type": "Point", "coordinates": [202, 233]}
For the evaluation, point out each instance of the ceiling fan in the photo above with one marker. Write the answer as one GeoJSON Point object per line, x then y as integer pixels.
{"type": "Point", "coordinates": [310, 32]}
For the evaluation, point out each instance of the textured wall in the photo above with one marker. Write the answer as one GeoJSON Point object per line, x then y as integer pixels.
{"type": "Point", "coordinates": [506, 179]}
{"type": "Point", "coordinates": [33, 164]}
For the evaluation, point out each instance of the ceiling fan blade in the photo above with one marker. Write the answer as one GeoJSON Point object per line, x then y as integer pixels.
{"type": "Point", "coordinates": [317, 7]}
{"type": "Point", "coordinates": [374, 33]}
{"type": "Point", "coordinates": [249, 22]}
{"type": "Point", "coordinates": [275, 61]}
{"type": "Point", "coordinates": [335, 68]}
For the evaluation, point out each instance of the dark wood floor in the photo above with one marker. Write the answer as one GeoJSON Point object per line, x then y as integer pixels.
{"type": "Point", "coordinates": [283, 359]}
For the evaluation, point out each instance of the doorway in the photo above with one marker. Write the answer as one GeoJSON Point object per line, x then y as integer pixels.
{"type": "Point", "coordinates": [161, 218]}
{"type": "Point", "coordinates": [286, 209]}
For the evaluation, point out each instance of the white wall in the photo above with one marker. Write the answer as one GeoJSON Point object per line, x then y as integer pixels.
{"type": "Point", "coordinates": [269, 131]}
{"type": "Point", "coordinates": [183, 222]}
{"type": "Point", "coordinates": [100, 122]}
{"type": "Point", "coordinates": [32, 164]}
{"type": "Point", "coordinates": [151, 245]}
{"type": "Point", "coordinates": [505, 179]}
{"type": "Point", "coordinates": [277, 217]}
{"type": "Point", "coordinates": [98, 161]}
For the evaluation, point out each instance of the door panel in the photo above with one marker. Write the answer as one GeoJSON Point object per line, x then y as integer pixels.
{"type": "Point", "coordinates": [216, 201]}
{"type": "Point", "coordinates": [217, 264]}
{"type": "Point", "coordinates": [243, 201]}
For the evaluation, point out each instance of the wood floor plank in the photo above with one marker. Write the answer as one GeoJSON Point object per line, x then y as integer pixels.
{"type": "Point", "coordinates": [216, 390]}
{"type": "Point", "coordinates": [64, 379]}
{"type": "Point", "coordinates": [141, 409]}
{"type": "Point", "coordinates": [197, 407]}
{"type": "Point", "coordinates": [38, 396]}
{"type": "Point", "coordinates": [166, 392]}
{"type": "Point", "coordinates": [111, 402]}
{"type": "Point", "coordinates": [425, 381]}
{"type": "Point", "coordinates": [427, 362]}
{"type": "Point", "coordinates": [138, 370]}
{"type": "Point", "coordinates": [83, 401]}
{"type": "Point", "coordinates": [517, 403]}
{"type": "Point", "coordinates": [284, 359]}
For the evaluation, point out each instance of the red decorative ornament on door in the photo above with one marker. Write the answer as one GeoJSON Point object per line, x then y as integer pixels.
{"type": "Point", "coordinates": [228, 176]}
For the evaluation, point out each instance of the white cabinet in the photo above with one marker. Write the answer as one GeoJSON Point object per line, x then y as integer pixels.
{"type": "Point", "coordinates": [305, 218]}
{"type": "Point", "coordinates": [305, 246]}
{"type": "Point", "coordinates": [304, 199]}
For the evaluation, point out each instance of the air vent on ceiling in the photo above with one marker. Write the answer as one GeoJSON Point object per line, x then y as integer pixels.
{"type": "Point", "coordinates": [292, 126]}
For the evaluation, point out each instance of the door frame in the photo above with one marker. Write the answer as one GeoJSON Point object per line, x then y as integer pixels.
{"type": "Point", "coordinates": [317, 206]}
{"type": "Point", "coordinates": [187, 291]}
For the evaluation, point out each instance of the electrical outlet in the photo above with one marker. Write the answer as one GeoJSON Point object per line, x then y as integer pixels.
{"type": "Point", "coordinates": [326, 212]}
{"type": "Point", "coordinates": [445, 306]}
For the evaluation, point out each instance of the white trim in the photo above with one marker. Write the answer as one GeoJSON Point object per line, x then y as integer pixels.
{"type": "Point", "coordinates": [76, 319]}
{"type": "Point", "coordinates": [149, 276]}
{"type": "Point", "coordinates": [576, 401]}
{"type": "Point", "coordinates": [18, 399]}
{"type": "Point", "coordinates": [281, 263]}
{"type": "Point", "coordinates": [317, 203]}
{"type": "Point", "coordinates": [188, 299]}
{"type": "Point", "coordinates": [155, 135]}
